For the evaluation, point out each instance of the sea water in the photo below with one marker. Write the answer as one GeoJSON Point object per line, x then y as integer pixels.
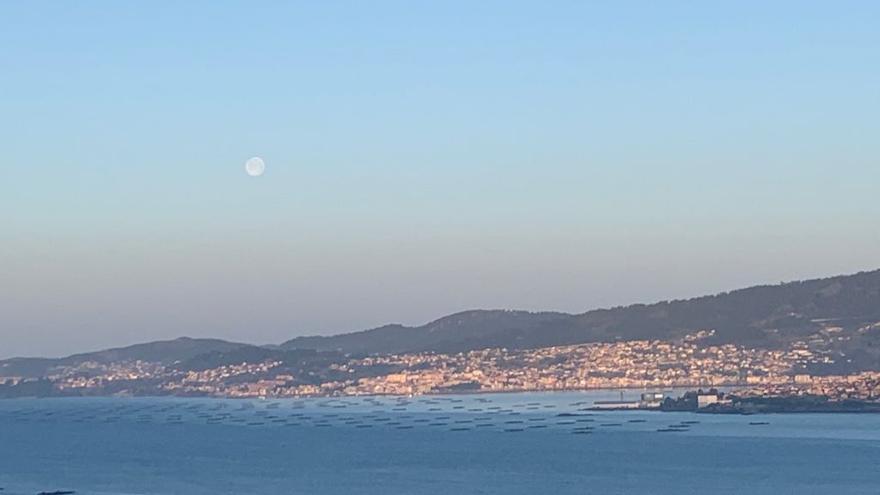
{"type": "Point", "coordinates": [468, 444]}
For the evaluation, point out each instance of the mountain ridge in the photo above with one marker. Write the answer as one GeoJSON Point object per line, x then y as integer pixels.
{"type": "Point", "coordinates": [759, 316]}
{"type": "Point", "coordinates": [748, 316]}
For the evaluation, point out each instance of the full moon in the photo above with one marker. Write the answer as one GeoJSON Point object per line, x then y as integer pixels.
{"type": "Point", "coordinates": [255, 166]}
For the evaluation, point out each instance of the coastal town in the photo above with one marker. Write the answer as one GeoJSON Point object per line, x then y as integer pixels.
{"type": "Point", "coordinates": [638, 364]}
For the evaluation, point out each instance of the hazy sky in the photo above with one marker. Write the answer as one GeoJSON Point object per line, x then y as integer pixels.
{"type": "Point", "coordinates": [422, 158]}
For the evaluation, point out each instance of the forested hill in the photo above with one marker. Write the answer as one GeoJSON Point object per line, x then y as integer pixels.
{"type": "Point", "coordinates": [760, 316]}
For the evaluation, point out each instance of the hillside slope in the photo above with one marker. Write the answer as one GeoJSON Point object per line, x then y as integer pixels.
{"type": "Point", "coordinates": [761, 316]}
{"type": "Point", "coordinates": [163, 351]}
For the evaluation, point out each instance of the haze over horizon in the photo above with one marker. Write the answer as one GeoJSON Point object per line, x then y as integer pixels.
{"type": "Point", "coordinates": [420, 160]}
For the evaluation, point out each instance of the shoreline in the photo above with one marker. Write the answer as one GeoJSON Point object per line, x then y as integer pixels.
{"type": "Point", "coordinates": [312, 397]}
{"type": "Point", "coordinates": [733, 405]}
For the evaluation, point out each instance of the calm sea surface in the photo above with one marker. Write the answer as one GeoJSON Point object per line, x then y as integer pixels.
{"type": "Point", "coordinates": [487, 444]}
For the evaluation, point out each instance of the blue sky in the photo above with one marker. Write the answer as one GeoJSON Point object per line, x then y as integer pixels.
{"type": "Point", "coordinates": [422, 158]}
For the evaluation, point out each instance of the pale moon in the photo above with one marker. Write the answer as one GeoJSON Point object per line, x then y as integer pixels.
{"type": "Point", "coordinates": [255, 166]}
